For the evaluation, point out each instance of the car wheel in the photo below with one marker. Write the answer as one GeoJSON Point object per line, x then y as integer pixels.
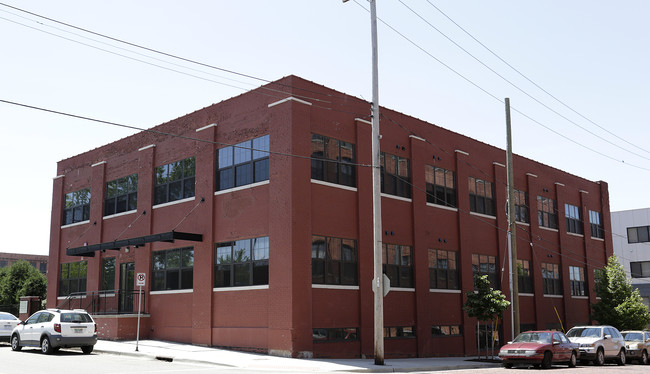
{"type": "Point", "coordinates": [600, 357]}
{"type": "Point", "coordinates": [620, 359]}
{"type": "Point", "coordinates": [15, 343]}
{"type": "Point", "coordinates": [573, 361]}
{"type": "Point", "coordinates": [548, 359]}
{"type": "Point", "coordinates": [45, 346]}
{"type": "Point", "coordinates": [87, 349]}
{"type": "Point", "coordinates": [644, 358]}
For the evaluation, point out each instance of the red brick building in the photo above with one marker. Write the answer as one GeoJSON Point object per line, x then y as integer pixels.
{"type": "Point", "coordinates": [251, 220]}
{"type": "Point", "coordinates": [37, 261]}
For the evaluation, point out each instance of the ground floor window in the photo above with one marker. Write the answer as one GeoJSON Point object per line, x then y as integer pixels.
{"type": "Point", "coordinates": [242, 263]}
{"type": "Point", "coordinates": [446, 330]}
{"type": "Point", "coordinates": [399, 332]}
{"type": "Point", "coordinates": [344, 334]}
{"type": "Point", "coordinates": [173, 269]}
{"type": "Point", "coordinates": [72, 277]}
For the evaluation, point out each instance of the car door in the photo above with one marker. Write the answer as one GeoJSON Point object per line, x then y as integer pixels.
{"type": "Point", "coordinates": [26, 331]}
{"type": "Point", "coordinates": [610, 342]}
{"type": "Point", "coordinates": [566, 346]}
{"type": "Point", "coordinates": [41, 325]}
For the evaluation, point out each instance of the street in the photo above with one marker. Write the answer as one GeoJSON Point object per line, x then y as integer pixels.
{"type": "Point", "coordinates": [589, 369]}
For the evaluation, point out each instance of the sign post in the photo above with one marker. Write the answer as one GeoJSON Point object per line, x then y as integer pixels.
{"type": "Point", "coordinates": [141, 280]}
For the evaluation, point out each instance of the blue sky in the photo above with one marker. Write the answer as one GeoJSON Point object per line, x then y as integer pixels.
{"type": "Point", "coordinates": [591, 55]}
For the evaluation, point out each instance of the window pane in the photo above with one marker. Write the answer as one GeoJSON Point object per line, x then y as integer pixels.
{"type": "Point", "coordinates": [243, 152]}
{"type": "Point", "coordinates": [260, 145]}
{"type": "Point", "coordinates": [261, 248]}
{"type": "Point", "coordinates": [225, 157]}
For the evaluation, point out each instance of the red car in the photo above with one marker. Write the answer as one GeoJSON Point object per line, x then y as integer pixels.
{"type": "Point", "coordinates": [539, 348]}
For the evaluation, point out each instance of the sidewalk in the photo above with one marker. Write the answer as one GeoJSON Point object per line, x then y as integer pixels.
{"type": "Point", "coordinates": [178, 352]}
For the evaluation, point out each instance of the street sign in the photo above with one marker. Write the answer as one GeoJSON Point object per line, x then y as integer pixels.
{"type": "Point", "coordinates": [386, 284]}
{"type": "Point", "coordinates": [141, 279]}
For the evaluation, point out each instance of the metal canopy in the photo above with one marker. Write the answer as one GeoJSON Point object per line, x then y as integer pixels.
{"type": "Point", "coordinates": [169, 237]}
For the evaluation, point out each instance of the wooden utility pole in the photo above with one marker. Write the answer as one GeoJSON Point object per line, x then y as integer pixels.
{"type": "Point", "coordinates": [512, 230]}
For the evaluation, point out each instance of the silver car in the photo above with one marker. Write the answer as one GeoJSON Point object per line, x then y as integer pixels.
{"type": "Point", "coordinates": [636, 345]}
{"type": "Point", "coordinates": [598, 344]}
{"type": "Point", "coordinates": [7, 324]}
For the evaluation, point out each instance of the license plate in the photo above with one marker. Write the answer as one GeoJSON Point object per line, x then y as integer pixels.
{"type": "Point", "coordinates": [77, 331]}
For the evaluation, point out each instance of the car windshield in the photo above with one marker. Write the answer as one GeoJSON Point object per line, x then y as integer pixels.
{"type": "Point", "coordinates": [584, 332]}
{"type": "Point", "coordinates": [75, 317]}
{"type": "Point", "coordinates": [7, 317]}
{"type": "Point", "coordinates": [633, 336]}
{"type": "Point", "coordinates": [533, 337]}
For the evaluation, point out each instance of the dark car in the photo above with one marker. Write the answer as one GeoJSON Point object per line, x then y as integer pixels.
{"type": "Point", "coordinates": [539, 348]}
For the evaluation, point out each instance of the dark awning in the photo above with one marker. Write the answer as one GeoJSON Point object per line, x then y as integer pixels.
{"type": "Point", "coordinates": [169, 237]}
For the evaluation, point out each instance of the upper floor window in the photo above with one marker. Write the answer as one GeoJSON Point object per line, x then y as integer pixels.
{"type": "Point", "coordinates": [173, 269]}
{"type": "Point", "coordinates": [76, 206]}
{"type": "Point", "coordinates": [398, 264]}
{"type": "Point", "coordinates": [551, 278]}
{"type": "Point", "coordinates": [333, 160]}
{"type": "Point", "coordinates": [121, 195]}
{"type": "Point", "coordinates": [395, 175]}
{"type": "Point", "coordinates": [242, 263]}
{"type": "Point", "coordinates": [524, 278]}
{"type": "Point", "coordinates": [72, 277]}
{"type": "Point", "coordinates": [333, 261]}
{"type": "Point", "coordinates": [243, 163]}
{"type": "Point", "coordinates": [638, 234]}
{"type": "Point", "coordinates": [486, 265]}
{"type": "Point", "coordinates": [175, 181]}
{"type": "Point", "coordinates": [481, 196]}
{"type": "Point", "coordinates": [573, 219]}
{"type": "Point", "coordinates": [441, 186]}
{"type": "Point", "coordinates": [596, 225]}
{"type": "Point", "coordinates": [521, 207]}
{"type": "Point", "coordinates": [443, 271]}
{"type": "Point", "coordinates": [546, 212]}
{"type": "Point", "coordinates": [640, 269]}
{"type": "Point", "coordinates": [577, 281]}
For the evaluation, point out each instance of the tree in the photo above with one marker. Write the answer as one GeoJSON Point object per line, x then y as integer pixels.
{"type": "Point", "coordinates": [21, 279]}
{"type": "Point", "coordinates": [620, 303]}
{"type": "Point", "coordinates": [485, 303]}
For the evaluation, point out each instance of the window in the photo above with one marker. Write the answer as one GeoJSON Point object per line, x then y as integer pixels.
{"type": "Point", "coordinates": [242, 263]}
{"type": "Point", "coordinates": [173, 269]}
{"type": "Point", "coordinates": [577, 280]}
{"type": "Point", "coordinates": [174, 181]}
{"type": "Point", "coordinates": [640, 269]}
{"type": "Point", "coordinates": [597, 230]}
{"type": "Point", "coordinates": [395, 175]}
{"type": "Point", "coordinates": [524, 278]}
{"type": "Point", "coordinates": [399, 332]}
{"type": "Point", "coordinates": [335, 334]}
{"type": "Point", "coordinates": [72, 278]}
{"type": "Point", "coordinates": [481, 196]}
{"type": "Point", "coordinates": [551, 278]}
{"type": "Point", "coordinates": [521, 207]}
{"type": "Point", "coordinates": [333, 160]}
{"type": "Point", "coordinates": [441, 186]}
{"type": "Point", "coordinates": [638, 234]}
{"type": "Point", "coordinates": [243, 163]}
{"type": "Point", "coordinates": [398, 265]}
{"type": "Point", "coordinates": [42, 267]}
{"type": "Point", "coordinates": [333, 261]}
{"type": "Point", "coordinates": [573, 219]}
{"type": "Point", "coordinates": [452, 330]}
{"type": "Point", "coordinates": [3, 263]}
{"type": "Point", "coordinates": [546, 212]}
{"type": "Point", "coordinates": [121, 195]}
{"type": "Point", "coordinates": [108, 274]}
{"type": "Point", "coordinates": [443, 273]}
{"type": "Point", "coordinates": [76, 206]}
{"type": "Point", "coordinates": [486, 265]}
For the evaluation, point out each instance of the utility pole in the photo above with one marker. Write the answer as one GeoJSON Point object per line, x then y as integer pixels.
{"type": "Point", "coordinates": [512, 230]}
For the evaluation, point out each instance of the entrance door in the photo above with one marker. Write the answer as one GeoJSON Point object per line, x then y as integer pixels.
{"type": "Point", "coordinates": [127, 276]}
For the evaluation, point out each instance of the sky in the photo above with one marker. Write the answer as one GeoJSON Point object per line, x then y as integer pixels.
{"type": "Point", "coordinates": [576, 74]}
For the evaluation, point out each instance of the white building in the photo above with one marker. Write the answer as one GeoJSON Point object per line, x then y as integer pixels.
{"type": "Point", "coordinates": [631, 238]}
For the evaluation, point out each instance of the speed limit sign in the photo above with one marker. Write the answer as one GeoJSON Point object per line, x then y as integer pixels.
{"type": "Point", "coordinates": [141, 279]}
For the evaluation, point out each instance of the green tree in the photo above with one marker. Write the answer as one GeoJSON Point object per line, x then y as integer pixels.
{"type": "Point", "coordinates": [21, 279]}
{"type": "Point", "coordinates": [485, 303]}
{"type": "Point", "coordinates": [620, 304]}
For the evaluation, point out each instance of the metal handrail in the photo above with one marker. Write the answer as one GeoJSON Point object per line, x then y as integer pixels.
{"type": "Point", "coordinates": [105, 302]}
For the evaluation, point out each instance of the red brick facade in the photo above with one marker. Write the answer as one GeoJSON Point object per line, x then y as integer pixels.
{"type": "Point", "coordinates": [291, 207]}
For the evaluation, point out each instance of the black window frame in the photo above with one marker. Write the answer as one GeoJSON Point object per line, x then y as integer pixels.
{"type": "Point", "coordinates": [639, 234]}
{"type": "Point", "coordinates": [547, 212]}
{"type": "Point", "coordinates": [121, 195]}
{"type": "Point", "coordinates": [173, 184]}
{"type": "Point", "coordinates": [400, 267]}
{"type": "Point", "coordinates": [169, 273]}
{"type": "Point", "coordinates": [443, 270]}
{"type": "Point", "coordinates": [639, 269]}
{"type": "Point", "coordinates": [242, 263]}
{"type": "Point", "coordinates": [577, 281]}
{"type": "Point", "coordinates": [335, 334]}
{"type": "Point", "coordinates": [244, 163]}
{"type": "Point", "coordinates": [334, 261]}
{"type": "Point", "coordinates": [70, 283]}
{"type": "Point", "coordinates": [522, 209]}
{"type": "Point", "coordinates": [596, 225]}
{"type": "Point", "coordinates": [395, 180]}
{"type": "Point", "coordinates": [573, 219]}
{"type": "Point", "coordinates": [108, 274]}
{"type": "Point", "coordinates": [486, 265]}
{"type": "Point", "coordinates": [440, 186]}
{"type": "Point", "coordinates": [338, 168]}
{"type": "Point", "coordinates": [399, 332]}
{"type": "Point", "coordinates": [552, 279]}
{"type": "Point", "coordinates": [444, 331]}
{"type": "Point", "coordinates": [481, 196]}
{"type": "Point", "coordinates": [76, 206]}
{"type": "Point", "coordinates": [524, 277]}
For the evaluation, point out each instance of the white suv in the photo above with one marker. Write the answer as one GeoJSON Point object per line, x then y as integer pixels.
{"type": "Point", "coordinates": [598, 343]}
{"type": "Point", "coordinates": [52, 329]}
